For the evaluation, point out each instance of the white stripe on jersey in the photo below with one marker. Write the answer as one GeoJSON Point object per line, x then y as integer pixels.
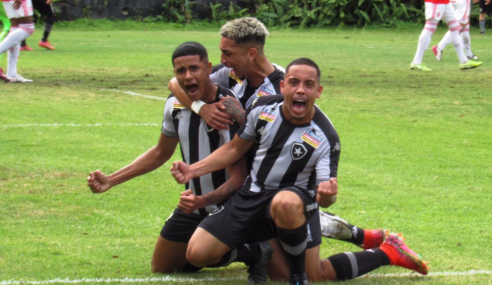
{"type": "Point", "coordinates": [197, 141]}
{"type": "Point", "coordinates": [287, 154]}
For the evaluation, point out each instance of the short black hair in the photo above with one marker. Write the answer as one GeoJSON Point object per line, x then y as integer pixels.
{"type": "Point", "coordinates": [305, 61]}
{"type": "Point", "coordinates": [190, 48]}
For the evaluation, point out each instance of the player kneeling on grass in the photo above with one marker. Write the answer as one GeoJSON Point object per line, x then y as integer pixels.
{"type": "Point", "coordinates": [197, 140]}
{"type": "Point", "coordinates": [292, 143]}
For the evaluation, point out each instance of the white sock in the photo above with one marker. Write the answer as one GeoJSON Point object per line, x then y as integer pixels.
{"type": "Point", "coordinates": [424, 40]}
{"type": "Point", "coordinates": [465, 36]}
{"type": "Point", "coordinates": [454, 29]}
{"type": "Point", "coordinates": [13, 57]}
{"type": "Point", "coordinates": [16, 35]}
{"type": "Point", "coordinates": [446, 40]}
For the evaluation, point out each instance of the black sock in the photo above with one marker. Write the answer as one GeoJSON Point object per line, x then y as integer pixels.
{"type": "Point", "coordinates": [294, 244]}
{"type": "Point", "coordinates": [357, 236]}
{"type": "Point", "coordinates": [248, 253]}
{"type": "Point", "coordinates": [350, 265]}
{"type": "Point", "coordinates": [189, 268]}
{"type": "Point", "coordinates": [23, 43]}
{"type": "Point", "coordinates": [45, 36]}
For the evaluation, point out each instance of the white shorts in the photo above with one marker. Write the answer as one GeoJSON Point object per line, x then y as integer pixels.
{"type": "Point", "coordinates": [462, 10]}
{"type": "Point", "coordinates": [439, 11]}
{"type": "Point", "coordinates": [25, 9]}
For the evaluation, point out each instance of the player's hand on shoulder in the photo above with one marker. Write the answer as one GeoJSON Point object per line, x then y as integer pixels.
{"type": "Point", "coordinates": [214, 116]}
{"type": "Point", "coordinates": [98, 182]}
{"type": "Point", "coordinates": [233, 108]}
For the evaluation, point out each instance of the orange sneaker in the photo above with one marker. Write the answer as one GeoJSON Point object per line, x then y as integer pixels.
{"type": "Point", "coordinates": [26, 48]}
{"type": "Point", "coordinates": [46, 45]}
{"type": "Point", "coordinates": [400, 255]}
{"type": "Point", "coordinates": [374, 238]}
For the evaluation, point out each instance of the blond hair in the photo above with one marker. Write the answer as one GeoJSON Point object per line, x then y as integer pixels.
{"type": "Point", "coordinates": [245, 30]}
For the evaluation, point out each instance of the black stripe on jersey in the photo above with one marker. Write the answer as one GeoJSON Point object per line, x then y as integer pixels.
{"type": "Point", "coordinates": [275, 78]}
{"type": "Point", "coordinates": [297, 166]}
{"type": "Point", "coordinates": [274, 151]}
{"type": "Point", "coordinates": [329, 130]}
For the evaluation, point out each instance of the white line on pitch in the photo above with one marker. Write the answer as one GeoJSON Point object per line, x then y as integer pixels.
{"type": "Point", "coordinates": [184, 279]}
{"type": "Point", "coordinates": [135, 94]}
{"type": "Point", "coordinates": [80, 125]}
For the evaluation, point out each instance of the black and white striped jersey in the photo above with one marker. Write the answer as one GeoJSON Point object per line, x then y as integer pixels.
{"type": "Point", "coordinates": [225, 76]}
{"type": "Point", "coordinates": [286, 154]}
{"type": "Point", "coordinates": [197, 140]}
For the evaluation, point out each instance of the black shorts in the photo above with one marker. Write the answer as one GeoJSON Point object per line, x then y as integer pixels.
{"type": "Point", "coordinates": [43, 8]}
{"type": "Point", "coordinates": [179, 227]}
{"type": "Point", "coordinates": [485, 8]}
{"type": "Point", "coordinates": [245, 218]}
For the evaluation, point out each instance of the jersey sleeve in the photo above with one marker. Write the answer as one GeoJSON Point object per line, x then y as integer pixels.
{"type": "Point", "coordinates": [168, 128]}
{"type": "Point", "coordinates": [220, 75]}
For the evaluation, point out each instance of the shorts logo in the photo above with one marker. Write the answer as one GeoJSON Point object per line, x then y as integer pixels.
{"type": "Point", "coordinates": [311, 138]}
{"type": "Point", "coordinates": [267, 114]}
{"type": "Point", "coordinates": [216, 211]}
{"type": "Point", "coordinates": [298, 151]}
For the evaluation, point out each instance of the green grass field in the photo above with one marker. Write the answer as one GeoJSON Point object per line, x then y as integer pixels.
{"type": "Point", "coordinates": [416, 152]}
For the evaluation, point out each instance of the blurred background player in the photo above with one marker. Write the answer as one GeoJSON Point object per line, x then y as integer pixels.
{"type": "Point", "coordinates": [47, 11]}
{"type": "Point", "coordinates": [6, 28]}
{"type": "Point", "coordinates": [485, 9]}
{"type": "Point", "coordinates": [20, 14]}
{"type": "Point", "coordinates": [435, 10]}
{"type": "Point", "coordinates": [462, 9]}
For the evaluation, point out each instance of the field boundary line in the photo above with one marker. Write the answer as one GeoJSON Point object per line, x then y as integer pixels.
{"type": "Point", "coordinates": [134, 94]}
{"type": "Point", "coordinates": [185, 279]}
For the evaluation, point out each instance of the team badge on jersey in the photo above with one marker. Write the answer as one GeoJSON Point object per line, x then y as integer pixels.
{"type": "Point", "coordinates": [178, 105]}
{"type": "Point", "coordinates": [298, 151]}
{"type": "Point", "coordinates": [263, 91]}
{"type": "Point", "coordinates": [312, 138]}
{"type": "Point", "coordinates": [267, 114]}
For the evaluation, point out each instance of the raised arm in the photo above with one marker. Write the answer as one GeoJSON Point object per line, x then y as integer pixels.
{"type": "Point", "coordinates": [223, 157]}
{"type": "Point", "coordinates": [212, 114]}
{"type": "Point", "coordinates": [150, 160]}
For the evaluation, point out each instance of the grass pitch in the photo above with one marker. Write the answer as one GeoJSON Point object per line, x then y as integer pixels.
{"type": "Point", "coordinates": [416, 151]}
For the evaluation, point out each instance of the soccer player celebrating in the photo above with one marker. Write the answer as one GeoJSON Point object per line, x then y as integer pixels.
{"type": "Point", "coordinates": [197, 140]}
{"type": "Point", "coordinates": [294, 147]}
{"type": "Point", "coordinates": [20, 15]}
{"type": "Point", "coordinates": [246, 70]}
{"type": "Point", "coordinates": [435, 10]}
{"type": "Point", "coordinates": [462, 8]}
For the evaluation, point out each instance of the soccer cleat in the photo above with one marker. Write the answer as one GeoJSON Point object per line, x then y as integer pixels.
{"type": "Point", "coordinates": [19, 79]}
{"type": "Point", "coordinates": [473, 57]}
{"type": "Point", "coordinates": [470, 64]}
{"type": "Point", "coordinates": [419, 67]}
{"type": "Point", "coordinates": [400, 255]}
{"type": "Point", "coordinates": [298, 279]}
{"type": "Point", "coordinates": [437, 52]}
{"type": "Point", "coordinates": [26, 48]}
{"type": "Point", "coordinates": [334, 227]}
{"type": "Point", "coordinates": [374, 238]}
{"type": "Point", "coordinates": [46, 45]}
{"type": "Point", "coordinates": [3, 76]}
{"type": "Point", "coordinates": [257, 270]}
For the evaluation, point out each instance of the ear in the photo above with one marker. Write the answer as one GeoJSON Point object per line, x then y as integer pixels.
{"type": "Point", "coordinates": [209, 68]}
{"type": "Point", "coordinates": [320, 89]}
{"type": "Point", "coordinates": [282, 87]}
{"type": "Point", "coordinates": [252, 53]}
